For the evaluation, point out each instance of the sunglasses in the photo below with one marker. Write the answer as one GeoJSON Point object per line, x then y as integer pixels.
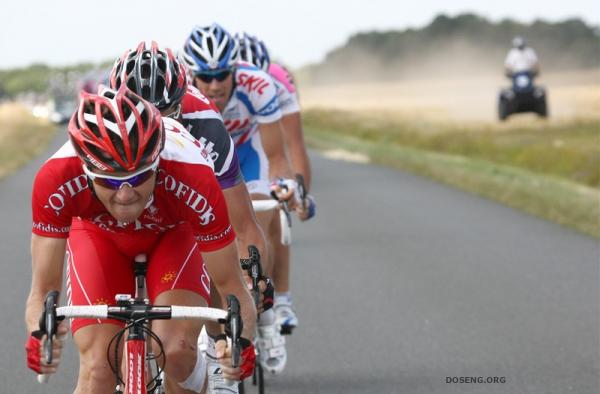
{"type": "Point", "coordinates": [117, 182]}
{"type": "Point", "coordinates": [219, 75]}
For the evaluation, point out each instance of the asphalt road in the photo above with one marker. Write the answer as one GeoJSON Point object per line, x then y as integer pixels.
{"type": "Point", "coordinates": [401, 284]}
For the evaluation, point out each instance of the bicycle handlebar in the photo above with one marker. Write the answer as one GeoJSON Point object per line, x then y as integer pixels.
{"type": "Point", "coordinates": [149, 312]}
{"type": "Point", "coordinates": [133, 310]}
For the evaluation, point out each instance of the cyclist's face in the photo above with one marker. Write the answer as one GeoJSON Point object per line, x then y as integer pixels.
{"type": "Point", "coordinates": [217, 91]}
{"type": "Point", "coordinates": [127, 203]}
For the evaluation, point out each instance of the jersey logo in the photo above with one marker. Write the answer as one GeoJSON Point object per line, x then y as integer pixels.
{"type": "Point", "coordinates": [252, 83]}
{"type": "Point", "coordinates": [71, 188]}
{"type": "Point", "coordinates": [209, 149]}
{"type": "Point", "coordinates": [190, 197]}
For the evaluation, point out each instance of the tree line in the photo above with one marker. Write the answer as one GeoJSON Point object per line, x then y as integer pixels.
{"type": "Point", "coordinates": [466, 44]}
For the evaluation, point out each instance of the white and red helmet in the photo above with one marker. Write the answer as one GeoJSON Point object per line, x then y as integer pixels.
{"type": "Point", "coordinates": [116, 131]}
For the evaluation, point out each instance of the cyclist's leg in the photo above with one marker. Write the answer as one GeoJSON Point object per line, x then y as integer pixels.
{"type": "Point", "coordinates": [176, 276]}
{"type": "Point", "coordinates": [255, 168]}
{"type": "Point", "coordinates": [96, 271]}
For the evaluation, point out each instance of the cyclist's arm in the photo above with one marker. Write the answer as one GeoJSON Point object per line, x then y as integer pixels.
{"type": "Point", "coordinates": [46, 274]}
{"type": "Point", "coordinates": [294, 141]}
{"type": "Point", "coordinates": [224, 270]}
{"type": "Point", "coordinates": [243, 220]}
{"type": "Point", "coordinates": [273, 144]}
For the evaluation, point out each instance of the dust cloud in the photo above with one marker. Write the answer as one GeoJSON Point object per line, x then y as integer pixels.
{"type": "Point", "coordinates": [459, 82]}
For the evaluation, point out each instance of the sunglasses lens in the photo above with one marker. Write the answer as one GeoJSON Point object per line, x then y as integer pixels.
{"type": "Point", "coordinates": [116, 184]}
{"type": "Point", "coordinates": [219, 76]}
{"type": "Point", "coordinates": [222, 75]}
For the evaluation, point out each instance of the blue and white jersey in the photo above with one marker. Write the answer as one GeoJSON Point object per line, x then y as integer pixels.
{"type": "Point", "coordinates": [253, 101]}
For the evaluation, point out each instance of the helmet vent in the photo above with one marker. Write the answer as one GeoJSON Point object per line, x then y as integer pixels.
{"type": "Point", "coordinates": [162, 64]}
{"type": "Point", "coordinates": [146, 70]}
{"type": "Point", "coordinates": [160, 85]}
{"type": "Point", "coordinates": [130, 66]}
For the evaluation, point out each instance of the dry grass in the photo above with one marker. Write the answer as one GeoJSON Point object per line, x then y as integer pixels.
{"type": "Point", "coordinates": [22, 137]}
{"type": "Point", "coordinates": [446, 129]}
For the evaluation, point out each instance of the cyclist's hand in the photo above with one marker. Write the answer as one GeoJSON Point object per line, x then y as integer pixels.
{"type": "Point", "coordinates": [286, 190]}
{"type": "Point", "coordinates": [308, 209]}
{"type": "Point", "coordinates": [246, 367]}
{"type": "Point", "coordinates": [223, 352]}
{"type": "Point", "coordinates": [35, 357]}
{"type": "Point", "coordinates": [248, 358]}
{"type": "Point", "coordinates": [266, 294]}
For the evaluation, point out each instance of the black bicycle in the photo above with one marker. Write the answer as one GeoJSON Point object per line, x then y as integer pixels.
{"type": "Point", "coordinates": [253, 268]}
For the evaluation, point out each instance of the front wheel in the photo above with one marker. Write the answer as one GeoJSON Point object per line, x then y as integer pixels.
{"type": "Point", "coordinates": [542, 108]}
{"type": "Point", "coordinates": [502, 109]}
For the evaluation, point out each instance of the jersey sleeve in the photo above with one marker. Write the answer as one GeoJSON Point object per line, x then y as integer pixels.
{"type": "Point", "coordinates": [288, 102]}
{"type": "Point", "coordinates": [50, 206]}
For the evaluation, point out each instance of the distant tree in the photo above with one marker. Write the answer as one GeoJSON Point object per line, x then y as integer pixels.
{"type": "Point", "coordinates": [464, 43]}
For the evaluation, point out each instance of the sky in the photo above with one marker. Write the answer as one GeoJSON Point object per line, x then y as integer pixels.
{"type": "Point", "coordinates": [297, 32]}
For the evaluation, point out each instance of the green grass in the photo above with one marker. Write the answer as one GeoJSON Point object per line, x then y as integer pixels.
{"type": "Point", "coordinates": [22, 137]}
{"type": "Point", "coordinates": [547, 169]}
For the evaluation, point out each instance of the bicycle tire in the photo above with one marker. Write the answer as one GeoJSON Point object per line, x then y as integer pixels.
{"type": "Point", "coordinates": [260, 378]}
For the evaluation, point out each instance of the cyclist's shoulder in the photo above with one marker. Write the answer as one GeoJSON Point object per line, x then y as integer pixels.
{"type": "Point", "coordinates": [253, 83]}
{"type": "Point", "coordinates": [283, 76]}
{"type": "Point", "coordinates": [182, 148]}
{"type": "Point", "coordinates": [194, 101]}
{"type": "Point", "coordinates": [63, 164]}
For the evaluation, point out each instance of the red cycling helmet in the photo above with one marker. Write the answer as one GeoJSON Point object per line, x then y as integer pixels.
{"type": "Point", "coordinates": [116, 131]}
{"type": "Point", "coordinates": [153, 73]}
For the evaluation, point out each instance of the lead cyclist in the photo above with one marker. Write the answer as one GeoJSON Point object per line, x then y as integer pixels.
{"type": "Point", "coordinates": [156, 74]}
{"type": "Point", "coordinates": [247, 99]}
{"type": "Point", "coordinates": [129, 181]}
{"type": "Point", "coordinates": [254, 51]}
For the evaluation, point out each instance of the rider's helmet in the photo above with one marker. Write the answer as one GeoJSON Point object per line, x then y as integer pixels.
{"type": "Point", "coordinates": [151, 72]}
{"type": "Point", "coordinates": [518, 42]}
{"type": "Point", "coordinates": [116, 131]}
{"type": "Point", "coordinates": [253, 50]}
{"type": "Point", "coordinates": [209, 48]}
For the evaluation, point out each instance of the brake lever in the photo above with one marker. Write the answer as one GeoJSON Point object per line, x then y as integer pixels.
{"type": "Point", "coordinates": [301, 190]}
{"type": "Point", "coordinates": [49, 323]}
{"type": "Point", "coordinates": [234, 326]}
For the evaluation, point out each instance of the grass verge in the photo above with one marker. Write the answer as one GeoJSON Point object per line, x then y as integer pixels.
{"type": "Point", "coordinates": [22, 137]}
{"type": "Point", "coordinates": [548, 194]}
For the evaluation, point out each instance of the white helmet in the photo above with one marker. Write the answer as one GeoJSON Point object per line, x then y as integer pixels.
{"type": "Point", "coordinates": [518, 42]}
{"type": "Point", "coordinates": [253, 50]}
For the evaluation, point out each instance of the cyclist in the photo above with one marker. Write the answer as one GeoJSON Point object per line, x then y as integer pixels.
{"type": "Point", "coordinates": [254, 51]}
{"type": "Point", "coordinates": [247, 100]}
{"type": "Point", "coordinates": [521, 58]}
{"type": "Point", "coordinates": [127, 182]}
{"type": "Point", "coordinates": [155, 74]}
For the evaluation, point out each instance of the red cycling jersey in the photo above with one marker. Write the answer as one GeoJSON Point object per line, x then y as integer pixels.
{"type": "Point", "coordinates": [186, 191]}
